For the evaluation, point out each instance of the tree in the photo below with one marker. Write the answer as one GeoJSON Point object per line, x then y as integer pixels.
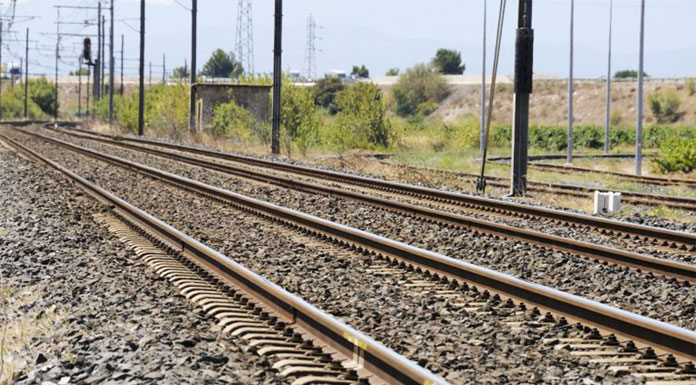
{"type": "Point", "coordinates": [325, 93]}
{"type": "Point", "coordinates": [627, 74]}
{"type": "Point", "coordinates": [181, 72]}
{"type": "Point", "coordinates": [43, 94]}
{"type": "Point", "coordinates": [360, 72]}
{"type": "Point", "coordinates": [393, 72]}
{"type": "Point", "coordinates": [79, 72]}
{"type": "Point", "coordinates": [448, 62]}
{"type": "Point", "coordinates": [222, 65]}
{"type": "Point", "coordinates": [418, 87]}
{"type": "Point", "coordinates": [362, 119]}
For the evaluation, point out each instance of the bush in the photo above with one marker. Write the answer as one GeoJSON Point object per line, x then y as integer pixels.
{"type": "Point", "coordinates": [690, 86]}
{"type": "Point", "coordinates": [325, 93]}
{"type": "Point", "coordinates": [233, 121]}
{"type": "Point", "coordinates": [361, 120]}
{"type": "Point", "coordinates": [43, 94]}
{"type": "Point", "coordinates": [448, 62]}
{"type": "Point", "coordinates": [392, 72]}
{"type": "Point", "coordinates": [665, 105]}
{"type": "Point", "coordinates": [299, 116]}
{"type": "Point", "coordinates": [616, 118]}
{"type": "Point", "coordinates": [677, 155]}
{"type": "Point", "coordinates": [627, 74]}
{"type": "Point", "coordinates": [416, 86]}
{"type": "Point", "coordinates": [12, 106]}
{"type": "Point", "coordinates": [427, 108]}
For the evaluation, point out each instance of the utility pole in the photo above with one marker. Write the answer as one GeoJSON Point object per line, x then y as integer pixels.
{"type": "Point", "coordinates": [524, 59]}
{"type": "Point", "coordinates": [639, 119]}
{"type": "Point", "coordinates": [164, 68]}
{"type": "Point", "coordinates": [55, 109]}
{"type": "Point", "coordinates": [26, 75]}
{"type": "Point", "coordinates": [79, 87]}
{"type": "Point", "coordinates": [149, 79]}
{"type": "Point", "coordinates": [141, 71]}
{"type": "Point", "coordinates": [570, 85]}
{"type": "Point", "coordinates": [111, 66]}
{"type": "Point", "coordinates": [482, 135]}
{"type": "Point", "coordinates": [277, 51]}
{"type": "Point", "coordinates": [607, 120]}
{"type": "Point", "coordinates": [121, 65]}
{"type": "Point", "coordinates": [102, 84]}
{"type": "Point", "coordinates": [89, 73]}
{"type": "Point", "coordinates": [97, 64]}
{"type": "Point", "coordinates": [192, 91]}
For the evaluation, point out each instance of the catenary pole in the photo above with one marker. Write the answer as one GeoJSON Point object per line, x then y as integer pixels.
{"type": "Point", "coordinates": [97, 64]}
{"type": "Point", "coordinates": [55, 107]}
{"type": "Point", "coordinates": [121, 90]}
{"type": "Point", "coordinates": [141, 71]}
{"type": "Point", "coordinates": [79, 87]}
{"type": "Point", "coordinates": [164, 68]}
{"type": "Point", "coordinates": [1, 64]}
{"type": "Point", "coordinates": [607, 118]}
{"type": "Point", "coordinates": [277, 52]}
{"type": "Point", "coordinates": [192, 85]}
{"type": "Point", "coordinates": [524, 60]}
{"type": "Point", "coordinates": [639, 118]}
{"type": "Point", "coordinates": [482, 135]}
{"type": "Point", "coordinates": [26, 76]}
{"type": "Point", "coordinates": [111, 65]}
{"type": "Point", "coordinates": [102, 84]}
{"type": "Point", "coordinates": [570, 84]}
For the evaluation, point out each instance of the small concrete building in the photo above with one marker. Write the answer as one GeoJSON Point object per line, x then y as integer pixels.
{"type": "Point", "coordinates": [255, 98]}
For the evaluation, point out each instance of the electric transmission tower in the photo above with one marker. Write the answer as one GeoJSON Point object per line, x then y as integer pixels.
{"type": "Point", "coordinates": [310, 64]}
{"type": "Point", "coordinates": [245, 36]}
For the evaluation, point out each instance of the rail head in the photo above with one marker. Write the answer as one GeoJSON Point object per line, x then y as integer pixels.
{"type": "Point", "coordinates": [656, 333]}
{"type": "Point", "coordinates": [387, 364]}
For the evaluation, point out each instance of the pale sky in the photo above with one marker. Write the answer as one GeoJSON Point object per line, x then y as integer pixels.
{"type": "Point", "coordinates": [379, 33]}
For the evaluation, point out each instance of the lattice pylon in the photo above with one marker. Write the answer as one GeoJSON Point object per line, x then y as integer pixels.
{"type": "Point", "coordinates": [310, 62]}
{"type": "Point", "coordinates": [244, 47]}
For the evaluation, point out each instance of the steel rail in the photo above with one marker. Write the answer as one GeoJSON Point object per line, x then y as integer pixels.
{"type": "Point", "coordinates": [665, 235]}
{"type": "Point", "coordinates": [641, 178]}
{"type": "Point", "coordinates": [670, 269]}
{"type": "Point", "coordinates": [664, 336]}
{"type": "Point", "coordinates": [379, 360]}
{"type": "Point", "coordinates": [671, 201]}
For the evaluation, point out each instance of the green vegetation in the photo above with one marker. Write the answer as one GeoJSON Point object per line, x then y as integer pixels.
{"type": "Point", "coordinates": [325, 92]}
{"type": "Point", "coordinates": [393, 72]}
{"type": "Point", "coordinates": [677, 155]}
{"type": "Point", "coordinates": [181, 72]}
{"type": "Point", "coordinates": [79, 72]}
{"type": "Point", "coordinates": [362, 120]}
{"type": "Point", "coordinates": [299, 117]}
{"type": "Point", "coordinates": [12, 105]}
{"type": "Point", "coordinates": [416, 86]}
{"type": "Point", "coordinates": [627, 74]}
{"type": "Point", "coordinates": [222, 65]}
{"type": "Point", "coordinates": [690, 84]}
{"type": "Point", "coordinates": [43, 94]}
{"type": "Point", "coordinates": [448, 62]}
{"type": "Point", "coordinates": [360, 72]}
{"type": "Point", "coordinates": [234, 122]}
{"type": "Point", "coordinates": [665, 105]}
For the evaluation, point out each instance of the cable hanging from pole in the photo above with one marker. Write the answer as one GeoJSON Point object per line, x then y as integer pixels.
{"type": "Point", "coordinates": [481, 183]}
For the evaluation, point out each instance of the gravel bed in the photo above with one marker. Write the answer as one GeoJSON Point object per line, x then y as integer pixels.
{"type": "Point", "coordinates": [542, 225]}
{"type": "Point", "coordinates": [655, 297]}
{"type": "Point", "coordinates": [649, 220]}
{"type": "Point", "coordinates": [81, 308]}
{"type": "Point", "coordinates": [463, 347]}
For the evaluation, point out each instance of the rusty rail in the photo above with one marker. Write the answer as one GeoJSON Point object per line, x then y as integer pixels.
{"type": "Point", "coordinates": [664, 336]}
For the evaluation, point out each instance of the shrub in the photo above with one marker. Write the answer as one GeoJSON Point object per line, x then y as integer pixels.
{"type": "Point", "coordinates": [12, 105]}
{"type": "Point", "coordinates": [690, 86]}
{"type": "Point", "coordinates": [627, 74]}
{"type": "Point", "coordinates": [665, 105]}
{"type": "Point", "coordinates": [416, 86]}
{"type": "Point", "coordinates": [233, 121]}
{"type": "Point", "coordinates": [325, 93]}
{"type": "Point", "coordinates": [427, 108]}
{"type": "Point", "coordinates": [362, 120]}
{"type": "Point", "coordinates": [616, 118]}
{"type": "Point", "coordinates": [448, 62]}
{"type": "Point", "coordinates": [299, 116]}
{"type": "Point", "coordinates": [677, 155]}
{"type": "Point", "coordinates": [43, 94]}
{"type": "Point", "coordinates": [392, 72]}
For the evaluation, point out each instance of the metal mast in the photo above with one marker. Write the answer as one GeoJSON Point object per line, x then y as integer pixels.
{"type": "Point", "coordinates": [639, 118]}
{"type": "Point", "coordinates": [607, 122]}
{"type": "Point", "coordinates": [483, 84]}
{"type": "Point", "coordinates": [310, 63]}
{"type": "Point", "coordinates": [244, 46]}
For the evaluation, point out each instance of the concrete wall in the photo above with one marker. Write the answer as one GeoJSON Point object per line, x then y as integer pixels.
{"type": "Point", "coordinates": [256, 99]}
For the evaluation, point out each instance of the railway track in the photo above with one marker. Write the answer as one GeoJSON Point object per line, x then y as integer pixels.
{"type": "Point", "coordinates": [683, 240]}
{"type": "Point", "coordinates": [653, 180]}
{"type": "Point", "coordinates": [664, 337]}
{"type": "Point", "coordinates": [307, 343]}
{"type": "Point", "coordinates": [646, 199]}
{"type": "Point", "coordinates": [448, 277]}
{"type": "Point", "coordinates": [670, 269]}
